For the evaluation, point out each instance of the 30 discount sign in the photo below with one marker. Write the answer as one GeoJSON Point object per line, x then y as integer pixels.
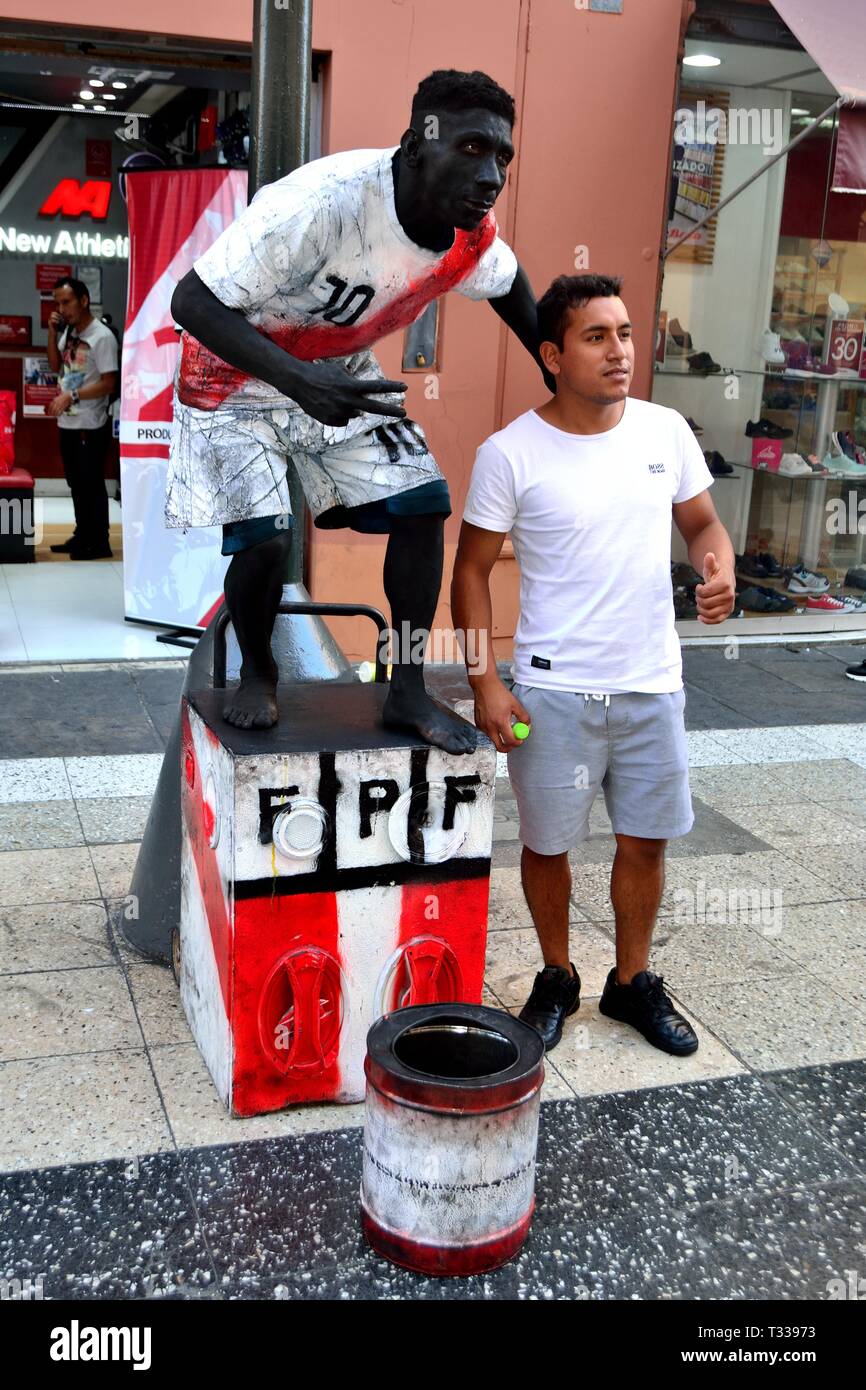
{"type": "Point", "coordinates": [846, 344]}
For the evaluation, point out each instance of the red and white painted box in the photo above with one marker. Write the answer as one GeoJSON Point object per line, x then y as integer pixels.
{"type": "Point", "coordinates": [332, 870]}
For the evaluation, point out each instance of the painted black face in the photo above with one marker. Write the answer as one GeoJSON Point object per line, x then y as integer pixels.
{"type": "Point", "coordinates": [462, 160]}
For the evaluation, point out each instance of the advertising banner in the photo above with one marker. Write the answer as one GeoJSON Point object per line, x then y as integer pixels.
{"type": "Point", "coordinates": [171, 577]}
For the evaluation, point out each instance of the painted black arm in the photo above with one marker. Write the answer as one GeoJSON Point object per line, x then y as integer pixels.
{"type": "Point", "coordinates": [324, 390]}
{"type": "Point", "coordinates": [518, 310]}
{"type": "Point", "coordinates": [227, 333]}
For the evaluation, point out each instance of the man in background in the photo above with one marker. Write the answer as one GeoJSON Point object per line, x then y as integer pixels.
{"type": "Point", "coordinates": [84, 354]}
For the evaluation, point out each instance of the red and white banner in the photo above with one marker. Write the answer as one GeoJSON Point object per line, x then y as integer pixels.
{"type": "Point", "coordinates": [170, 576]}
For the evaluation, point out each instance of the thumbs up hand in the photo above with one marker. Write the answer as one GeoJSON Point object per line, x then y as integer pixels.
{"type": "Point", "coordinates": [715, 597]}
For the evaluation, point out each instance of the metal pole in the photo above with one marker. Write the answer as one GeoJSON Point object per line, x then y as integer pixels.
{"type": "Point", "coordinates": [279, 143]}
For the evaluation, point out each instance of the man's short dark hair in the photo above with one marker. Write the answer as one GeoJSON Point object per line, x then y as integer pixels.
{"type": "Point", "coordinates": [78, 287]}
{"type": "Point", "coordinates": [570, 292]}
{"type": "Point", "coordinates": [446, 89]}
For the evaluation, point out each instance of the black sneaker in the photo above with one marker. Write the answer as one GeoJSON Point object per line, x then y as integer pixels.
{"type": "Point", "coordinates": [91, 553]}
{"type": "Point", "coordinates": [555, 996]}
{"type": "Point", "coordinates": [647, 1008]}
{"type": "Point", "coordinates": [65, 547]}
{"type": "Point", "coordinates": [856, 673]}
{"type": "Point", "coordinates": [766, 429]}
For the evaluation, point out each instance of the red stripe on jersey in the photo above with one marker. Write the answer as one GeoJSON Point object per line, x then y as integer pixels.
{"type": "Point", "coordinates": [205, 381]}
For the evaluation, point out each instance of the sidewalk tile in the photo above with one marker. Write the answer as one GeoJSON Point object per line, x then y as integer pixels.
{"type": "Point", "coordinates": [31, 876]}
{"type": "Point", "coordinates": [114, 865]}
{"type": "Point", "coordinates": [33, 779]}
{"type": "Point", "coordinates": [39, 825]}
{"type": "Point", "coordinates": [113, 819]}
{"type": "Point", "coordinates": [60, 1110]}
{"type": "Point", "coordinates": [133, 774]}
{"type": "Point", "coordinates": [783, 1022]}
{"type": "Point", "coordinates": [57, 1012]}
{"type": "Point", "coordinates": [55, 936]}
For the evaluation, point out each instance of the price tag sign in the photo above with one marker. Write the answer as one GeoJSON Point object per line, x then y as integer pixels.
{"type": "Point", "coordinates": [846, 343]}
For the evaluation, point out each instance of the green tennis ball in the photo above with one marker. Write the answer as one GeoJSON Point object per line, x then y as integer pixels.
{"type": "Point", "coordinates": [520, 730]}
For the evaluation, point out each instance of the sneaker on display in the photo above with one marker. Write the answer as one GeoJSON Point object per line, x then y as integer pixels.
{"type": "Point", "coordinates": [771, 347]}
{"type": "Point", "coordinates": [803, 581]}
{"type": "Point", "coordinates": [853, 605]}
{"type": "Point", "coordinates": [825, 603]}
{"type": "Point", "coordinates": [717, 464]}
{"type": "Point", "coordinates": [770, 563]}
{"type": "Point", "coordinates": [793, 466]}
{"type": "Point", "coordinates": [844, 466]}
{"type": "Point", "coordinates": [766, 429]}
{"type": "Point", "coordinates": [856, 673]}
{"type": "Point", "coordinates": [856, 578]}
{"type": "Point", "coordinates": [703, 362]}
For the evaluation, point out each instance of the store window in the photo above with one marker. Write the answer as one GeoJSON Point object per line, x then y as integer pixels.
{"type": "Point", "coordinates": [761, 335]}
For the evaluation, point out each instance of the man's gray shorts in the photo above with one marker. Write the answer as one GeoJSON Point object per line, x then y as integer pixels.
{"type": "Point", "coordinates": [631, 746]}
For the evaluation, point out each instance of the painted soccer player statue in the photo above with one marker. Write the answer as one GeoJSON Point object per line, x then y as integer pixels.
{"type": "Point", "coordinates": [281, 313]}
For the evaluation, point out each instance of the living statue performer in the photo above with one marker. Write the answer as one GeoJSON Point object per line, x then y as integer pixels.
{"type": "Point", "coordinates": [280, 315]}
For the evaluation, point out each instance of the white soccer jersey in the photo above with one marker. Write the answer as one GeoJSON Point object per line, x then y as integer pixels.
{"type": "Point", "coordinates": [320, 263]}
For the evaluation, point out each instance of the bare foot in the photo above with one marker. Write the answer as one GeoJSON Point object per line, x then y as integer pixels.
{"type": "Point", "coordinates": [420, 714]}
{"type": "Point", "coordinates": [253, 705]}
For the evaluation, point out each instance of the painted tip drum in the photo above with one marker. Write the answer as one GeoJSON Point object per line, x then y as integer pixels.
{"type": "Point", "coordinates": [450, 1136]}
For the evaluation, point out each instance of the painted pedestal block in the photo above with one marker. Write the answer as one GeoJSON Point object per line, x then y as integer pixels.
{"type": "Point", "coordinates": [332, 871]}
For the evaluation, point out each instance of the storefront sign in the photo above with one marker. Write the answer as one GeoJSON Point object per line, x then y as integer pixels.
{"type": "Point", "coordinates": [845, 347]}
{"type": "Point", "coordinates": [91, 244]}
{"type": "Point", "coordinates": [15, 330]}
{"type": "Point", "coordinates": [48, 275]}
{"type": "Point", "coordinates": [71, 198]}
{"type": "Point", "coordinates": [40, 386]}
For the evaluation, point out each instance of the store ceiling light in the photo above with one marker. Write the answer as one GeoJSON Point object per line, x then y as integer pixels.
{"type": "Point", "coordinates": [99, 107]}
{"type": "Point", "coordinates": [108, 96]}
{"type": "Point", "coordinates": [120, 86]}
{"type": "Point", "coordinates": [800, 111]}
{"type": "Point", "coordinates": [96, 82]}
{"type": "Point", "coordinates": [78, 106]}
{"type": "Point", "coordinates": [701, 60]}
{"type": "Point", "coordinates": [87, 96]}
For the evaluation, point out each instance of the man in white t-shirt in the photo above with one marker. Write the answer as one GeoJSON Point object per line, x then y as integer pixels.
{"type": "Point", "coordinates": [587, 485]}
{"type": "Point", "coordinates": [285, 308]}
{"type": "Point", "coordinates": [84, 354]}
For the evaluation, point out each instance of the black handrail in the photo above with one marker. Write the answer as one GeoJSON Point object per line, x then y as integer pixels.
{"type": "Point", "coordinates": [330, 610]}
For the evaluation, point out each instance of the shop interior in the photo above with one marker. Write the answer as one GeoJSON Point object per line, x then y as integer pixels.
{"type": "Point", "coordinates": [92, 112]}
{"type": "Point", "coordinates": [761, 332]}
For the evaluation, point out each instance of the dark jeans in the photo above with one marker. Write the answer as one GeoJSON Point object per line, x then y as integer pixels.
{"type": "Point", "coordinates": [83, 454]}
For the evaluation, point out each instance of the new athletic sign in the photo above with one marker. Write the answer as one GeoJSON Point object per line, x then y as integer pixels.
{"type": "Point", "coordinates": [170, 576]}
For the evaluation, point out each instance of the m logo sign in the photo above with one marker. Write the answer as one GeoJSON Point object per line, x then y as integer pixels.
{"type": "Point", "coordinates": [74, 199]}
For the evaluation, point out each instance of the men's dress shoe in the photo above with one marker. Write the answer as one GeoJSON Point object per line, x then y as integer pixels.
{"type": "Point", "coordinates": [65, 547]}
{"type": "Point", "coordinates": [645, 1006]}
{"type": "Point", "coordinates": [555, 996]}
{"type": "Point", "coordinates": [91, 553]}
{"type": "Point", "coordinates": [703, 362]}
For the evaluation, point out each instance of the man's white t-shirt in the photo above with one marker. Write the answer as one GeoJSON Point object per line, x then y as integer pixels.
{"type": "Point", "coordinates": [590, 521]}
{"type": "Point", "coordinates": [320, 262]}
{"type": "Point", "coordinates": [86, 355]}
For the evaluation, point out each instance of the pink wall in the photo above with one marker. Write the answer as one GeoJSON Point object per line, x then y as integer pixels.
{"type": "Point", "coordinates": [595, 97]}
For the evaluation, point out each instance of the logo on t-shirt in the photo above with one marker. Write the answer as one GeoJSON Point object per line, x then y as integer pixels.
{"type": "Point", "coordinates": [656, 468]}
